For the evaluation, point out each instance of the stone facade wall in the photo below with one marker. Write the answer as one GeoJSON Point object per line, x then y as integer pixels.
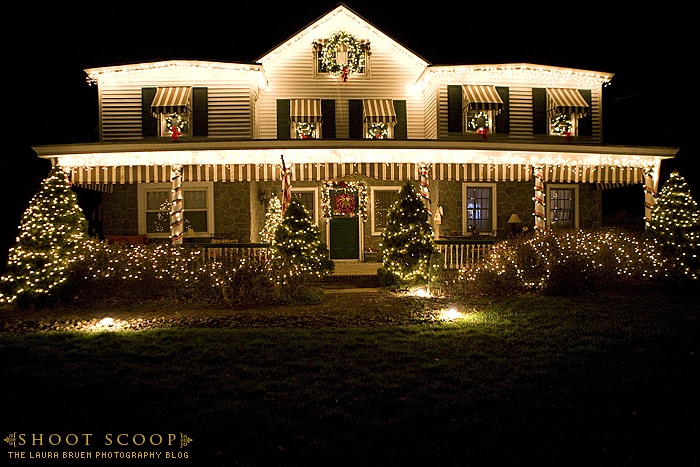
{"type": "Point", "coordinates": [232, 202]}
{"type": "Point", "coordinates": [120, 214]}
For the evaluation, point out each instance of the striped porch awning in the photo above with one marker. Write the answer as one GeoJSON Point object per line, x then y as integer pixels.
{"type": "Point", "coordinates": [305, 110]}
{"type": "Point", "coordinates": [171, 100]}
{"type": "Point", "coordinates": [566, 101]}
{"type": "Point", "coordinates": [378, 111]}
{"type": "Point", "coordinates": [477, 97]}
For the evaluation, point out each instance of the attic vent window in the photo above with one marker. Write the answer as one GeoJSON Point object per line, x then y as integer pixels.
{"type": "Point", "coordinates": [341, 55]}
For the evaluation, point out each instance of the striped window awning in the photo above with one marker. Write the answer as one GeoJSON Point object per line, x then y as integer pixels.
{"type": "Point", "coordinates": [378, 111]}
{"type": "Point", "coordinates": [566, 101]}
{"type": "Point", "coordinates": [478, 97]}
{"type": "Point", "coordinates": [305, 110]}
{"type": "Point", "coordinates": [171, 100]}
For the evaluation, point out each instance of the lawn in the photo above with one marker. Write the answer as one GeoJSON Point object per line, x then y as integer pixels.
{"type": "Point", "coordinates": [604, 380]}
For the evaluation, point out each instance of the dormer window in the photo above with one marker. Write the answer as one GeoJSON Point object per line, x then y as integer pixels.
{"type": "Point", "coordinates": [342, 55]}
{"type": "Point", "coordinates": [481, 105]}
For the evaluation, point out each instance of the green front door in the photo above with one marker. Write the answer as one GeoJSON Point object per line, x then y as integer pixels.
{"type": "Point", "coordinates": [345, 238]}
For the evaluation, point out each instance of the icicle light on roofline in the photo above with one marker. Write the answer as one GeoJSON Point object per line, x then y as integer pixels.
{"type": "Point", "coordinates": [382, 156]}
{"type": "Point", "coordinates": [518, 74]}
{"type": "Point", "coordinates": [307, 37]}
{"type": "Point", "coordinates": [186, 70]}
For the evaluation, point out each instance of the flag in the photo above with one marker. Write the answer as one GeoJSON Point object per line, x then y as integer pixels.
{"type": "Point", "coordinates": [286, 186]}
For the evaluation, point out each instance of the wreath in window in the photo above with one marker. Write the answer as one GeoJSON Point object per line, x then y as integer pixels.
{"type": "Point", "coordinates": [342, 40]}
{"type": "Point", "coordinates": [175, 120]}
{"type": "Point", "coordinates": [561, 125]}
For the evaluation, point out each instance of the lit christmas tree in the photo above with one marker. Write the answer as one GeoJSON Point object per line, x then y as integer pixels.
{"type": "Point", "coordinates": [674, 223]}
{"type": "Point", "coordinates": [273, 218]}
{"type": "Point", "coordinates": [407, 243]}
{"type": "Point", "coordinates": [51, 232]}
{"type": "Point", "coordinates": [298, 251]}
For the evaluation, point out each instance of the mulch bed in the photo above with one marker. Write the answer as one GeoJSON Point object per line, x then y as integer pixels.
{"type": "Point", "coordinates": [339, 309]}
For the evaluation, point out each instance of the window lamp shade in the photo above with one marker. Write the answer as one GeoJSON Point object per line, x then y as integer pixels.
{"type": "Point", "coordinates": [171, 100]}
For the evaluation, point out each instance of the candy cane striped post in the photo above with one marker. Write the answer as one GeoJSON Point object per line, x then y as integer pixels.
{"type": "Point", "coordinates": [649, 192]}
{"type": "Point", "coordinates": [177, 210]}
{"type": "Point", "coordinates": [540, 212]}
{"type": "Point", "coordinates": [425, 184]}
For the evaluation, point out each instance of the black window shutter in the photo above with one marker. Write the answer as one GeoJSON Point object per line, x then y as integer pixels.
{"type": "Point", "coordinates": [355, 118]}
{"type": "Point", "coordinates": [200, 112]}
{"type": "Point", "coordinates": [283, 119]}
{"type": "Point", "coordinates": [539, 111]}
{"type": "Point", "coordinates": [454, 109]}
{"type": "Point", "coordinates": [401, 127]}
{"type": "Point", "coordinates": [503, 119]}
{"type": "Point", "coordinates": [149, 124]}
{"type": "Point", "coordinates": [328, 116]}
{"type": "Point", "coordinates": [585, 124]}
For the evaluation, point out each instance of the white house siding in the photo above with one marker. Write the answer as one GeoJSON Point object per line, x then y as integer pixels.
{"type": "Point", "coordinates": [520, 109]}
{"type": "Point", "coordinates": [229, 100]}
{"type": "Point", "coordinates": [430, 99]}
{"type": "Point", "coordinates": [290, 73]}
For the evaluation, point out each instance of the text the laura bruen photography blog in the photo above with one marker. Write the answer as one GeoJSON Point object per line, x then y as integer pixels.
{"type": "Point", "coordinates": [97, 446]}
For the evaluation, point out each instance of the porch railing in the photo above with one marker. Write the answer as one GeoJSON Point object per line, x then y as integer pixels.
{"type": "Point", "coordinates": [214, 251]}
{"type": "Point", "coordinates": [461, 251]}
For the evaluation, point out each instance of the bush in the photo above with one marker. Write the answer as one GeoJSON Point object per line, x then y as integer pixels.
{"type": "Point", "coordinates": [565, 263]}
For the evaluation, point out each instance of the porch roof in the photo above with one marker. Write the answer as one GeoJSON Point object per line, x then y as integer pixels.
{"type": "Point", "coordinates": [165, 152]}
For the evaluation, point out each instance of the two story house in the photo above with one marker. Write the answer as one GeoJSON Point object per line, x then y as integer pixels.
{"type": "Point", "coordinates": [353, 114]}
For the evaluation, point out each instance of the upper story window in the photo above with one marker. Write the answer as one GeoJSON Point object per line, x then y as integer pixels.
{"type": "Point", "coordinates": [379, 118]}
{"type": "Point", "coordinates": [342, 55]}
{"type": "Point", "coordinates": [477, 109]}
{"type": "Point", "coordinates": [305, 118]}
{"type": "Point", "coordinates": [172, 106]}
{"type": "Point", "coordinates": [565, 107]}
{"type": "Point", "coordinates": [479, 208]}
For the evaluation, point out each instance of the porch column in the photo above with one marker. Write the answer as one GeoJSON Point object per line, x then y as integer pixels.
{"type": "Point", "coordinates": [177, 211]}
{"type": "Point", "coordinates": [540, 212]}
{"type": "Point", "coordinates": [651, 183]}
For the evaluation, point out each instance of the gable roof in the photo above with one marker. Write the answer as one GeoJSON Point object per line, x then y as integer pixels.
{"type": "Point", "coordinates": [307, 33]}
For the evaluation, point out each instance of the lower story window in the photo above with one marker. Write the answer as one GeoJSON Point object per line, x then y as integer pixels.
{"type": "Point", "coordinates": [479, 208]}
{"type": "Point", "coordinates": [154, 208]}
{"type": "Point", "coordinates": [383, 198]}
{"type": "Point", "coordinates": [307, 197]}
{"type": "Point", "coordinates": [562, 207]}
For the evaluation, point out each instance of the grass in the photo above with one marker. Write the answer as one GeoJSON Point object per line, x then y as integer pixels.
{"type": "Point", "coordinates": [528, 381]}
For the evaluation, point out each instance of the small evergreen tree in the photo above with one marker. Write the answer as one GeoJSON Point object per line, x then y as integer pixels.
{"type": "Point", "coordinates": [52, 230]}
{"type": "Point", "coordinates": [407, 243]}
{"type": "Point", "coordinates": [273, 218]}
{"type": "Point", "coordinates": [674, 223]}
{"type": "Point", "coordinates": [298, 252]}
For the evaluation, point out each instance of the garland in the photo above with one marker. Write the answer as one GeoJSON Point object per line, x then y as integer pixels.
{"type": "Point", "coordinates": [355, 60]}
{"type": "Point", "coordinates": [345, 188]}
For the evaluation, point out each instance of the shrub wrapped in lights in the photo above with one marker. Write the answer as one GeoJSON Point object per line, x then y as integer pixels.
{"type": "Point", "coordinates": [52, 231]}
{"type": "Point", "coordinates": [407, 243]}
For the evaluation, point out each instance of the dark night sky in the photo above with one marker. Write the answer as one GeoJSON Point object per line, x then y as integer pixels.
{"type": "Point", "coordinates": [47, 45]}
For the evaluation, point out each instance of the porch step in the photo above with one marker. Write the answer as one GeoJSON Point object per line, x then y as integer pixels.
{"type": "Point", "coordinates": [350, 281]}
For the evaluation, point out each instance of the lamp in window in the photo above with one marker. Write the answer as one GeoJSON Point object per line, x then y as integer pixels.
{"type": "Point", "coordinates": [514, 222]}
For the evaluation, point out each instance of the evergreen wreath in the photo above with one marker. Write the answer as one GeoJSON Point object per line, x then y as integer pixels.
{"type": "Point", "coordinates": [175, 120]}
{"type": "Point", "coordinates": [561, 124]}
{"type": "Point", "coordinates": [355, 55]}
